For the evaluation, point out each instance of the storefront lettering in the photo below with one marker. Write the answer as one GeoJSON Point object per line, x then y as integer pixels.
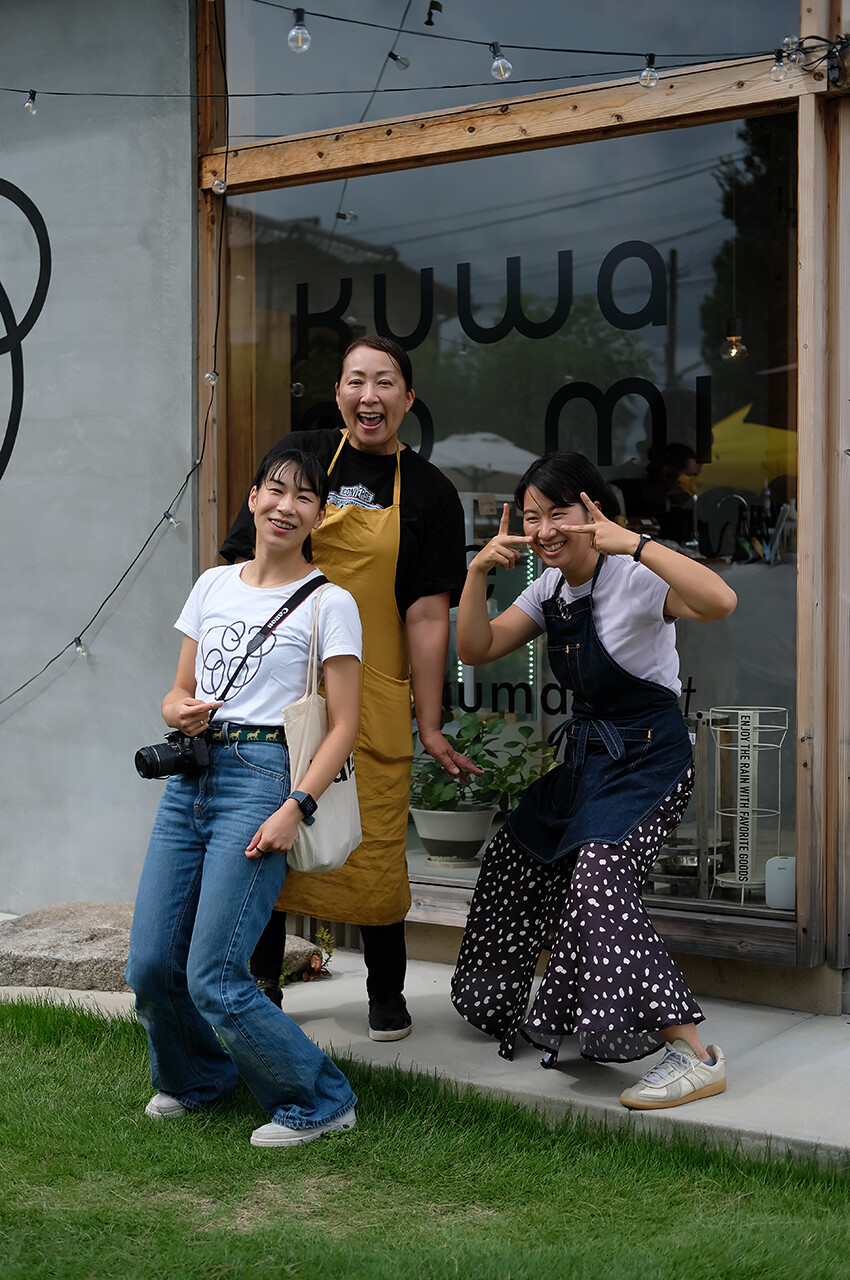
{"type": "Point", "coordinates": [653, 312]}
{"type": "Point", "coordinates": [337, 318]}
{"type": "Point", "coordinates": [503, 697]}
{"type": "Point", "coordinates": [514, 316]}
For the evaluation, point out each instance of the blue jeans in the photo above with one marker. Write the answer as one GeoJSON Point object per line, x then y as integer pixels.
{"type": "Point", "coordinates": [200, 909]}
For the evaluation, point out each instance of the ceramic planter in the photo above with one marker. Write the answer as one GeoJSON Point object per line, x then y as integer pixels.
{"type": "Point", "coordinates": [453, 837]}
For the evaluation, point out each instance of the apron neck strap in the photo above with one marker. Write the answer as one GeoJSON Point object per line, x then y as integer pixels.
{"type": "Point", "coordinates": [338, 452]}
{"type": "Point", "coordinates": [397, 481]}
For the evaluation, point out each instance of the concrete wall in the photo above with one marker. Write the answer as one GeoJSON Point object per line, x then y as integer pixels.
{"type": "Point", "coordinates": [106, 434]}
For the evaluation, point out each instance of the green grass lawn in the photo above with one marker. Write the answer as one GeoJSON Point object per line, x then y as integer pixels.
{"type": "Point", "coordinates": [433, 1183]}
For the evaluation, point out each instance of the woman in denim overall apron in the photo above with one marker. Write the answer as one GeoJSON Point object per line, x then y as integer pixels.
{"type": "Point", "coordinates": [567, 868]}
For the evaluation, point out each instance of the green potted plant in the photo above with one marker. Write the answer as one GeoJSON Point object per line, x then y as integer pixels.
{"type": "Point", "coordinates": [452, 818]}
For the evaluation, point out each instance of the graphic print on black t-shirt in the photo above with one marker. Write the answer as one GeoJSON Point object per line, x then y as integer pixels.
{"type": "Point", "coordinates": [222, 649]}
{"type": "Point", "coordinates": [354, 495]}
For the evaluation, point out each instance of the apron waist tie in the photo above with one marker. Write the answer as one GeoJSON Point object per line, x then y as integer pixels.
{"type": "Point", "coordinates": [608, 734]}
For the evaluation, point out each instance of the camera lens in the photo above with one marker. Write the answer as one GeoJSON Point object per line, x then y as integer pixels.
{"type": "Point", "coordinates": [159, 761]}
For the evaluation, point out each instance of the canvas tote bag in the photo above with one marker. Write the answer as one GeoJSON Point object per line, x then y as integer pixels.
{"type": "Point", "coordinates": [324, 844]}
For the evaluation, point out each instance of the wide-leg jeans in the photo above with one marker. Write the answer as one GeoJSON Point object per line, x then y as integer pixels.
{"type": "Point", "coordinates": [200, 909]}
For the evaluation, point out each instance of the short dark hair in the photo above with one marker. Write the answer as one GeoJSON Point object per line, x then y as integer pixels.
{"type": "Point", "coordinates": [307, 471]}
{"type": "Point", "coordinates": [563, 477]}
{"type": "Point", "coordinates": [389, 347]}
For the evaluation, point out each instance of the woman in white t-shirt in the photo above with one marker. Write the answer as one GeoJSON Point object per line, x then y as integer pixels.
{"type": "Point", "coordinates": [568, 866]}
{"type": "Point", "coordinates": [217, 856]}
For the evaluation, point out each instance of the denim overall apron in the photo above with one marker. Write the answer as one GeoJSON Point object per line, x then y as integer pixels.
{"type": "Point", "coordinates": [625, 748]}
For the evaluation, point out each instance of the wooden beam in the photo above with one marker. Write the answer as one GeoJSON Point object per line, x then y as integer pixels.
{"type": "Point", "coordinates": [702, 933]}
{"type": "Point", "coordinates": [699, 95]}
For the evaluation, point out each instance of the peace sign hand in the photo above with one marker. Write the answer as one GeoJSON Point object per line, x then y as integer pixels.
{"type": "Point", "coordinates": [501, 552]}
{"type": "Point", "coordinates": [606, 536]}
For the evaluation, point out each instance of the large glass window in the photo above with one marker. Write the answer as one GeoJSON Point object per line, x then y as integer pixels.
{"type": "Point", "coordinates": [632, 299]}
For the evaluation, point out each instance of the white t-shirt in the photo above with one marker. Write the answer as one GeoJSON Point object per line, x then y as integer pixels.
{"type": "Point", "coordinates": [628, 610]}
{"type": "Point", "coordinates": [223, 613]}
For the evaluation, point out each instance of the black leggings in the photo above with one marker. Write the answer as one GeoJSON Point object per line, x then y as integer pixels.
{"type": "Point", "coordinates": [383, 950]}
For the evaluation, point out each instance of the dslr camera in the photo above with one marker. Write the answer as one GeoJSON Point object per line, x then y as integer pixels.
{"type": "Point", "coordinates": [178, 754]}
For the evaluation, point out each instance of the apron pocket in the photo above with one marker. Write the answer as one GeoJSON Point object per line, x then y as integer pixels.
{"type": "Point", "coordinates": [385, 728]}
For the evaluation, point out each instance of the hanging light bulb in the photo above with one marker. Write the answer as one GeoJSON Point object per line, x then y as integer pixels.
{"type": "Point", "coordinates": [649, 76]}
{"type": "Point", "coordinates": [797, 56]}
{"type": "Point", "coordinates": [171, 518]}
{"type": "Point", "coordinates": [219, 186]}
{"type": "Point", "coordinates": [80, 647]}
{"type": "Point", "coordinates": [30, 102]}
{"type": "Point", "coordinates": [433, 7]}
{"type": "Point", "coordinates": [399, 59]}
{"type": "Point", "coordinates": [299, 37]}
{"type": "Point", "coordinates": [779, 70]}
{"type": "Point", "coordinates": [297, 390]}
{"type": "Point", "coordinates": [349, 216]}
{"type": "Point", "coordinates": [211, 378]}
{"type": "Point", "coordinates": [501, 68]}
{"type": "Point", "coordinates": [733, 348]}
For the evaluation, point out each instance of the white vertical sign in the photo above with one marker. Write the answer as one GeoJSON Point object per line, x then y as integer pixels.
{"type": "Point", "coordinates": [746, 789]}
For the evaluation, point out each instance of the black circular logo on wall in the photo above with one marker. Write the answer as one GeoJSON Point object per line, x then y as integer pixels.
{"type": "Point", "coordinates": [16, 330]}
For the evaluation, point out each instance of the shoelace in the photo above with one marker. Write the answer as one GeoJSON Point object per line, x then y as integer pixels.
{"type": "Point", "coordinates": [671, 1065]}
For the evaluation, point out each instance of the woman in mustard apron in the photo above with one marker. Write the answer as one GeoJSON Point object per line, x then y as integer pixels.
{"type": "Point", "coordinates": [393, 536]}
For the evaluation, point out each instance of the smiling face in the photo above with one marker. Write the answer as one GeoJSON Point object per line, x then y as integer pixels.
{"type": "Point", "coordinates": [545, 523]}
{"type": "Point", "coordinates": [373, 399]}
{"type": "Point", "coordinates": [285, 510]}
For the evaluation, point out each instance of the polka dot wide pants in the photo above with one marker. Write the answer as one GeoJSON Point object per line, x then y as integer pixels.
{"type": "Point", "coordinates": [609, 977]}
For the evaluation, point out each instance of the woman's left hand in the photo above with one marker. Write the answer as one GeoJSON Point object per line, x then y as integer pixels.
{"type": "Point", "coordinates": [441, 750]}
{"type": "Point", "coordinates": [277, 833]}
{"type": "Point", "coordinates": [606, 536]}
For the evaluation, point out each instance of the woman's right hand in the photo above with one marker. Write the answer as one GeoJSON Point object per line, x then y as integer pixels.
{"type": "Point", "coordinates": [191, 716]}
{"type": "Point", "coordinates": [501, 552]}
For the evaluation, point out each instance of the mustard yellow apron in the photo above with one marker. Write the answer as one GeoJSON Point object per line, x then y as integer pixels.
{"type": "Point", "coordinates": [358, 549]}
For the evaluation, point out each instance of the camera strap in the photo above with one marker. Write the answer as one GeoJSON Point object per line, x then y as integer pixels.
{"type": "Point", "coordinates": [259, 638]}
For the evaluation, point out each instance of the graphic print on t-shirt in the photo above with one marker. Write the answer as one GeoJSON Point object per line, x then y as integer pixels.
{"type": "Point", "coordinates": [354, 495]}
{"type": "Point", "coordinates": [221, 651]}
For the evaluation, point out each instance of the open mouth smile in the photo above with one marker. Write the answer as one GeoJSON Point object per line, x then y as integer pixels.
{"type": "Point", "coordinates": [552, 548]}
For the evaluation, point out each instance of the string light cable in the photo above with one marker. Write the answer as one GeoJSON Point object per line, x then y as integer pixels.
{"type": "Point", "coordinates": [817, 51]}
{"type": "Point", "coordinates": [392, 56]}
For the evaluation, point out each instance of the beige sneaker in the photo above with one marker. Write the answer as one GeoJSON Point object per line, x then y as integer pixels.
{"type": "Point", "coordinates": [679, 1077]}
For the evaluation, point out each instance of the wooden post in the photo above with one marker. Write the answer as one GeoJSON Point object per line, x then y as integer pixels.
{"type": "Point", "coordinates": [212, 328]}
{"type": "Point", "coordinates": [837, 485]}
{"type": "Point", "coordinates": [812, 410]}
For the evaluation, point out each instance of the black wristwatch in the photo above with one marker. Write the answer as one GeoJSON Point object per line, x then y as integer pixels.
{"type": "Point", "coordinates": [644, 539]}
{"type": "Point", "coordinates": [306, 804]}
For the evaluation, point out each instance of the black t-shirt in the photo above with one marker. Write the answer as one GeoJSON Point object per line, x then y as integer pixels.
{"type": "Point", "coordinates": [432, 556]}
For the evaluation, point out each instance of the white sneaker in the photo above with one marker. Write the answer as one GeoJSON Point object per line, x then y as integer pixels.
{"type": "Point", "coordinates": [681, 1076]}
{"type": "Point", "coordinates": [163, 1107]}
{"type": "Point", "coordinates": [278, 1135]}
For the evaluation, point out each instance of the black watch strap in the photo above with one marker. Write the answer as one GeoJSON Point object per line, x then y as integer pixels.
{"type": "Point", "coordinates": [306, 804]}
{"type": "Point", "coordinates": [644, 539]}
